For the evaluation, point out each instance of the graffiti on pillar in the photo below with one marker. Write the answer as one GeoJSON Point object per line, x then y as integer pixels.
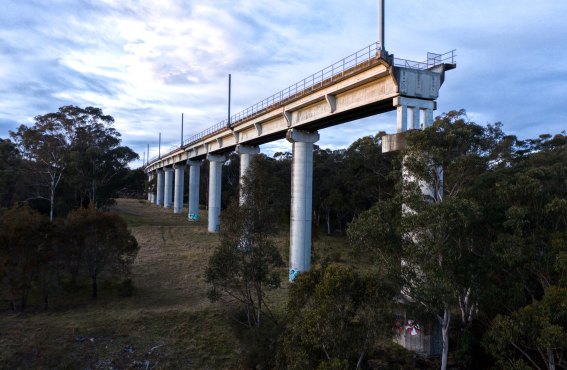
{"type": "Point", "coordinates": [293, 274]}
{"type": "Point", "coordinates": [412, 328]}
{"type": "Point", "coordinates": [193, 217]}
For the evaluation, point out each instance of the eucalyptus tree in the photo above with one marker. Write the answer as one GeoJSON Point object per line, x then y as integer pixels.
{"type": "Point", "coordinates": [430, 236]}
{"type": "Point", "coordinates": [530, 257]}
{"type": "Point", "coordinates": [76, 145]}
{"type": "Point", "coordinates": [104, 241]}
{"type": "Point", "coordinates": [10, 178]}
{"type": "Point", "coordinates": [26, 239]}
{"type": "Point", "coordinates": [246, 262]}
{"type": "Point", "coordinates": [335, 318]}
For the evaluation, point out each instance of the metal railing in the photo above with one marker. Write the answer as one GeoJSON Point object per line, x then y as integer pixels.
{"type": "Point", "coordinates": [432, 61]}
{"type": "Point", "coordinates": [327, 76]}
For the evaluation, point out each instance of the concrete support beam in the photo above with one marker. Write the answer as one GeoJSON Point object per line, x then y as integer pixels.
{"type": "Point", "coordinates": [301, 200]}
{"type": "Point", "coordinates": [178, 193]}
{"type": "Point", "coordinates": [246, 153]}
{"type": "Point", "coordinates": [194, 182]}
{"type": "Point", "coordinates": [215, 182]}
{"type": "Point", "coordinates": [413, 114]}
{"type": "Point", "coordinates": [159, 188]}
{"type": "Point", "coordinates": [168, 187]}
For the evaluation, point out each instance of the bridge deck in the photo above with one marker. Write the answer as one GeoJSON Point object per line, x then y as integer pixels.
{"type": "Point", "coordinates": [360, 85]}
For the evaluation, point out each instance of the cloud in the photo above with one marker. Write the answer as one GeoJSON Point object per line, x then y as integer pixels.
{"type": "Point", "coordinates": [146, 62]}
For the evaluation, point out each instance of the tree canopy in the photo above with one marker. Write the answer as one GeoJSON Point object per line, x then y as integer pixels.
{"type": "Point", "coordinates": [76, 148]}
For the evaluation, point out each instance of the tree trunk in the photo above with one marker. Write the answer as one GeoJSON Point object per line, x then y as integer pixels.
{"type": "Point", "coordinates": [550, 359]}
{"type": "Point", "coordinates": [95, 292]}
{"type": "Point", "coordinates": [23, 302]}
{"type": "Point", "coordinates": [51, 204]}
{"type": "Point", "coordinates": [259, 294]}
{"type": "Point", "coordinates": [328, 221]}
{"type": "Point", "coordinates": [445, 334]}
{"type": "Point", "coordinates": [360, 358]}
{"type": "Point", "coordinates": [46, 301]}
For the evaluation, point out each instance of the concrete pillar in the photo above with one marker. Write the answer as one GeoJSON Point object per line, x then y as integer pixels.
{"type": "Point", "coordinates": [194, 182]}
{"type": "Point", "coordinates": [178, 193]}
{"type": "Point", "coordinates": [168, 188]}
{"type": "Point", "coordinates": [149, 188]}
{"type": "Point", "coordinates": [246, 152]}
{"type": "Point", "coordinates": [301, 200]}
{"type": "Point", "coordinates": [159, 188]}
{"type": "Point", "coordinates": [215, 182]}
{"type": "Point", "coordinates": [413, 114]}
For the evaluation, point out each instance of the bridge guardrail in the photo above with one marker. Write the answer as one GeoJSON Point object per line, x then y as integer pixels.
{"type": "Point", "coordinates": [324, 77]}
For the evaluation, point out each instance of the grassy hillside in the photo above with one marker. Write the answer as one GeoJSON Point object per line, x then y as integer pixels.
{"type": "Point", "coordinates": [168, 323]}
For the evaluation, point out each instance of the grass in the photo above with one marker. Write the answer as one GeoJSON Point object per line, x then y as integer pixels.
{"type": "Point", "coordinates": [167, 324]}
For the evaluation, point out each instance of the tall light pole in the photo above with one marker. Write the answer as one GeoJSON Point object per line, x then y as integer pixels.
{"type": "Point", "coordinates": [181, 130]}
{"type": "Point", "coordinates": [381, 25]}
{"type": "Point", "coordinates": [229, 87]}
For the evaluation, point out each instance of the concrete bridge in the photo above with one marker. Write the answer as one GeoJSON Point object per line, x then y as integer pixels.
{"type": "Point", "coordinates": [363, 84]}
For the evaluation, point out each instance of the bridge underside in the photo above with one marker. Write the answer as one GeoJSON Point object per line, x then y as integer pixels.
{"type": "Point", "coordinates": [337, 119]}
{"type": "Point", "coordinates": [365, 89]}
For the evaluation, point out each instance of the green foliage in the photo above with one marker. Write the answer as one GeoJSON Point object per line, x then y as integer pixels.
{"type": "Point", "coordinates": [429, 237]}
{"type": "Point", "coordinates": [26, 249]}
{"type": "Point", "coordinates": [104, 242]}
{"type": "Point", "coordinates": [10, 181]}
{"type": "Point", "coordinates": [246, 261]}
{"type": "Point", "coordinates": [535, 335]}
{"type": "Point", "coordinates": [361, 176]}
{"type": "Point", "coordinates": [77, 148]}
{"type": "Point", "coordinates": [334, 317]}
{"type": "Point", "coordinates": [126, 288]}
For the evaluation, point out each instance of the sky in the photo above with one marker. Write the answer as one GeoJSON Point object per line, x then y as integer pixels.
{"type": "Point", "coordinates": [147, 62]}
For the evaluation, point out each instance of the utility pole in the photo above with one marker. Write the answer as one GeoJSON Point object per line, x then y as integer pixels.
{"type": "Point", "coordinates": [228, 120]}
{"type": "Point", "coordinates": [159, 146]}
{"type": "Point", "coordinates": [181, 130]}
{"type": "Point", "coordinates": [381, 25]}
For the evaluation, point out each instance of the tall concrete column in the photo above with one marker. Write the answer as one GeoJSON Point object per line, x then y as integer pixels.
{"type": "Point", "coordinates": [246, 153]}
{"type": "Point", "coordinates": [159, 188]}
{"type": "Point", "coordinates": [194, 182]}
{"type": "Point", "coordinates": [178, 193]}
{"type": "Point", "coordinates": [301, 200]}
{"type": "Point", "coordinates": [215, 182]}
{"type": "Point", "coordinates": [168, 187]}
{"type": "Point", "coordinates": [149, 187]}
{"type": "Point", "coordinates": [414, 114]}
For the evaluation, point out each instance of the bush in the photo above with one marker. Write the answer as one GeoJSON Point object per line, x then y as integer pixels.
{"type": "Point", "coordinates": [126, 288]}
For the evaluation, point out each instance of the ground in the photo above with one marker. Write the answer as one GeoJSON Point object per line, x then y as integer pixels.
{"type": "Point", "coordinates": [167, 324]}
